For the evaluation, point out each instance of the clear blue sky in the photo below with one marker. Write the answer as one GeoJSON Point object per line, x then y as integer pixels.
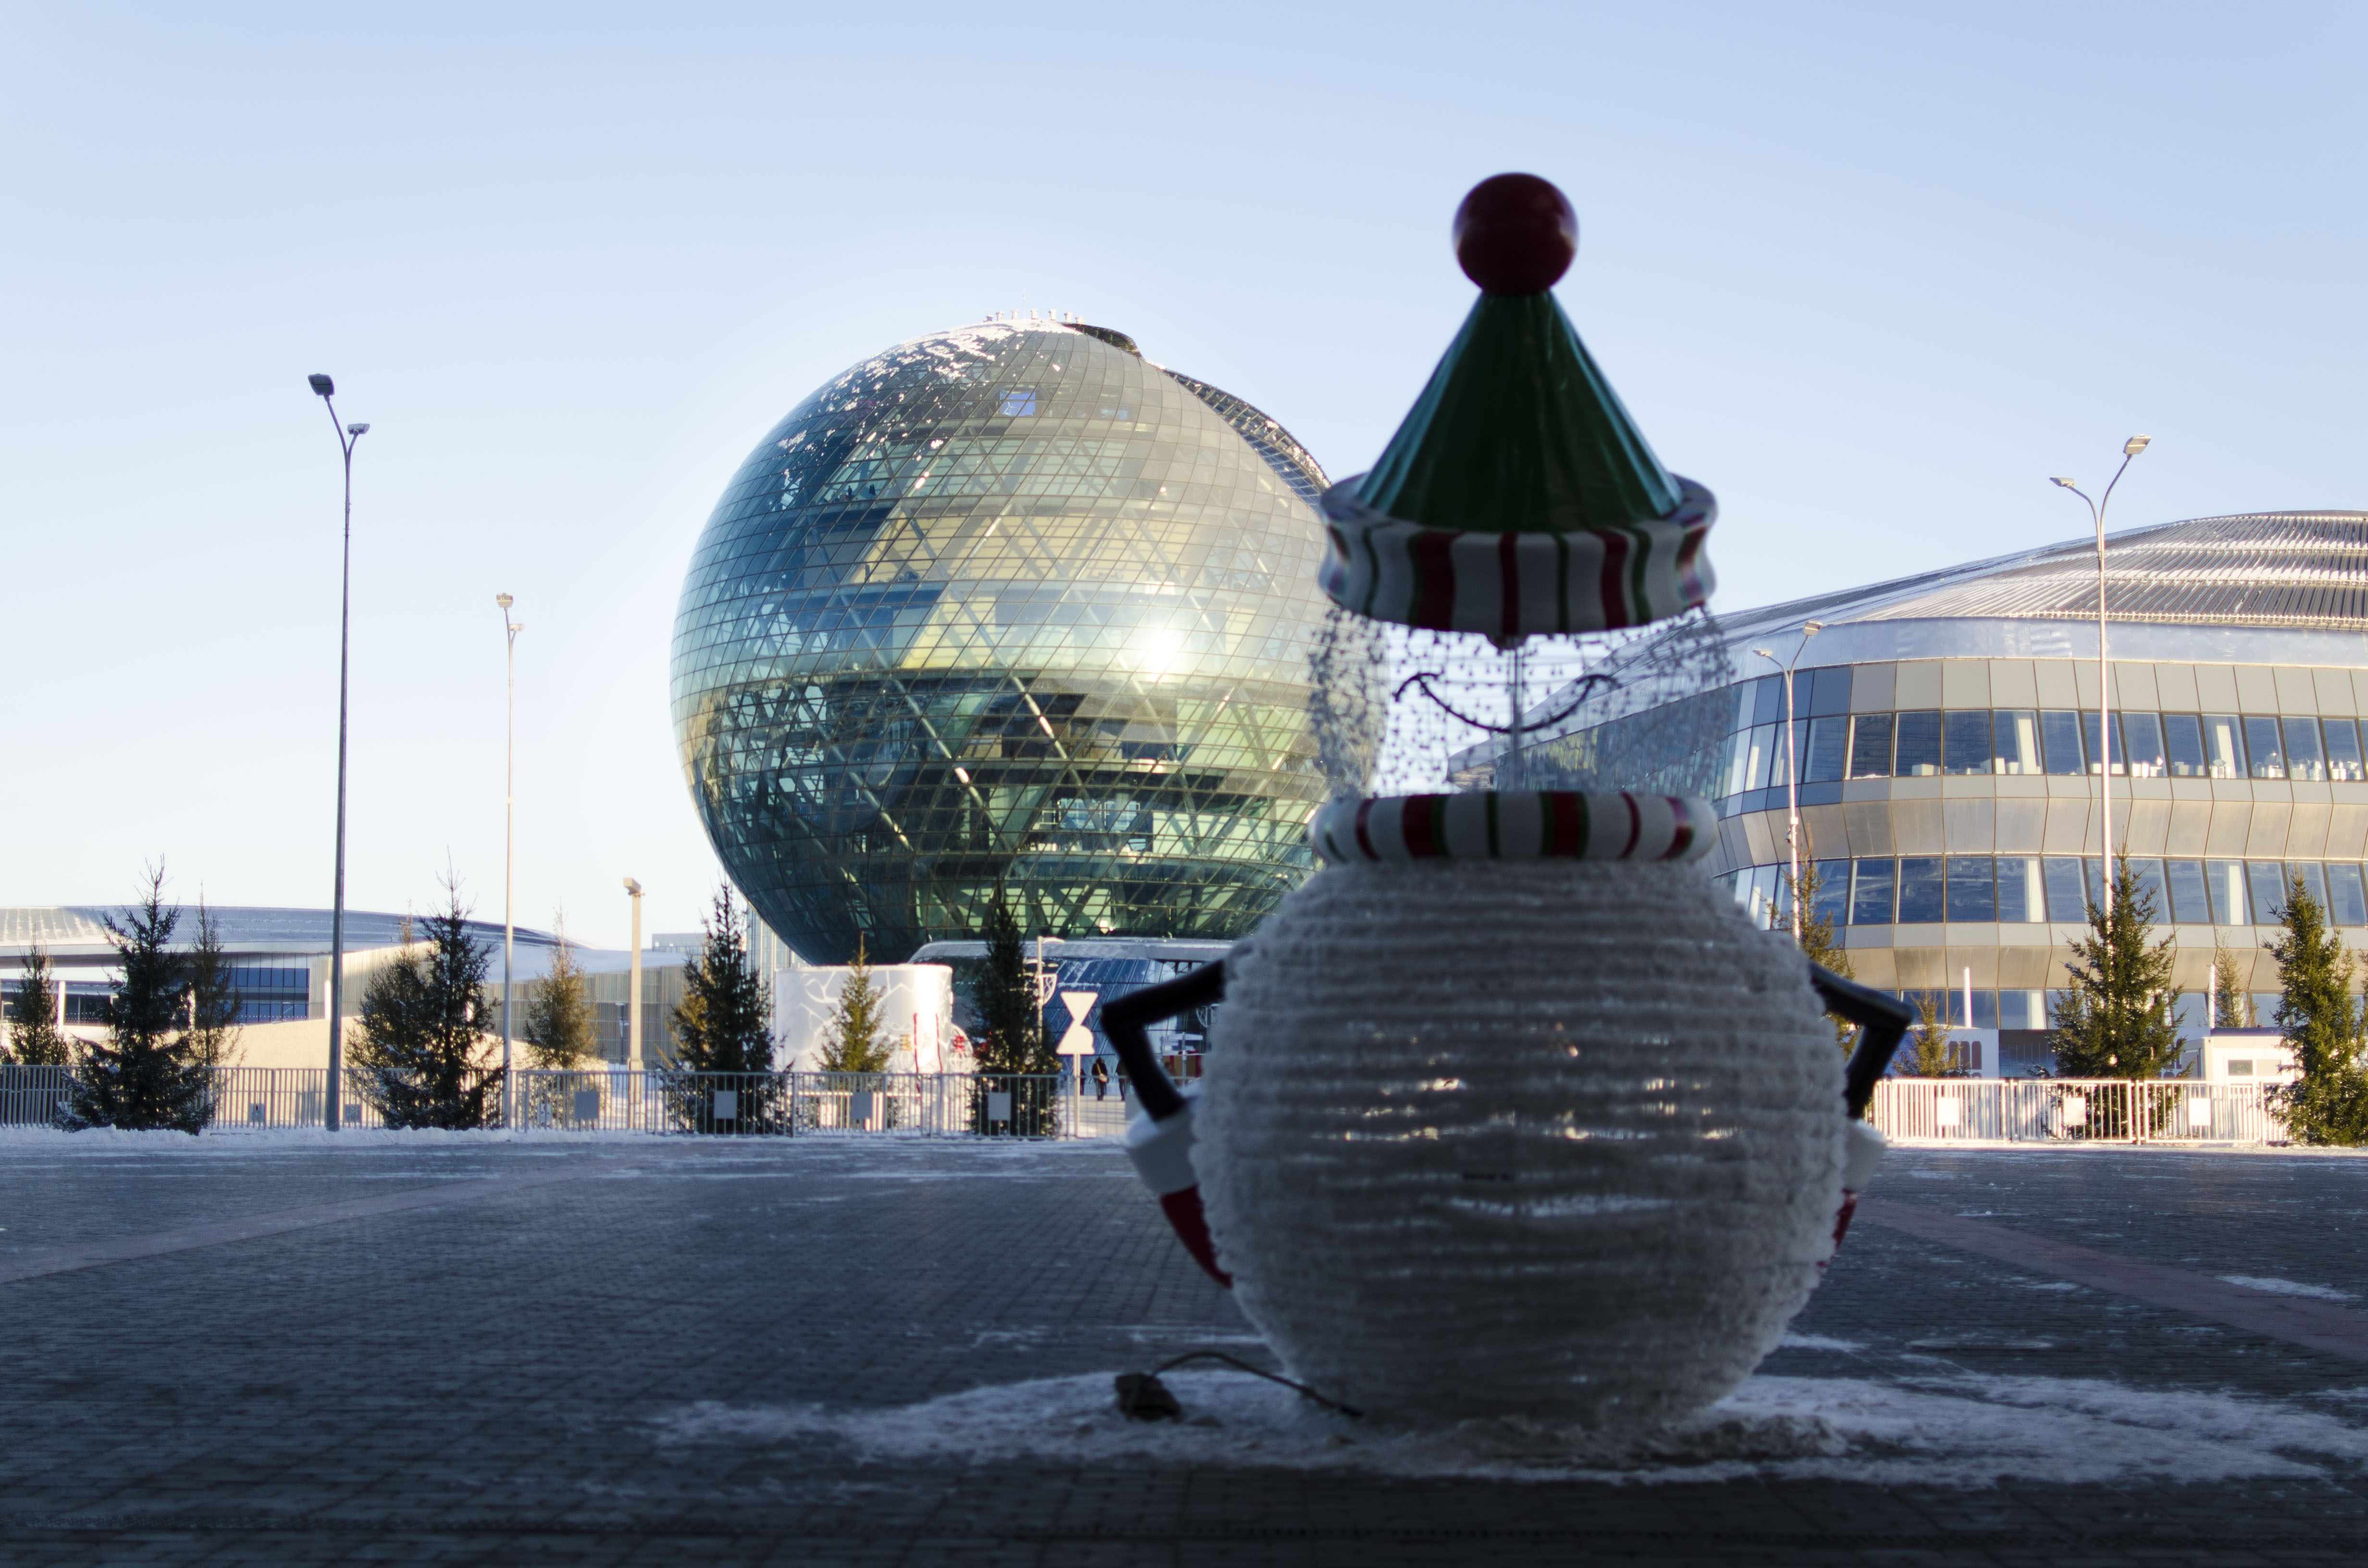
{"type": "Point", "coordinates": [1871, 272]}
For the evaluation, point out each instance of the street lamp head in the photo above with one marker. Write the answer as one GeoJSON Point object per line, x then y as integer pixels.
{"type": "Point", "coordinates": [504, 600]}
{"type": "Point", "coordinates": [2136, 444]}
{"type": "Point", "coordinates": [1811, 627]}
{"type": "Point", "coordinates": [322, 386]}
{"type": "Point", "coordinates": [1767, 656]}
{"type": "Point", "coordinates": [361, 430]}
{"type": "Point", "coordinates": [632, 887]}
{"type": "Point", "coordinates": [2061, 480]}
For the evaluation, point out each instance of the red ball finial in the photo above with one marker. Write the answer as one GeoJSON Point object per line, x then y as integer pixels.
{"type": "Point", "coordinates": [1515, 235]}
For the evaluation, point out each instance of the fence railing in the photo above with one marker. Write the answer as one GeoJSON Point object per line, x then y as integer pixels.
{"type": "Point", "coordinates": [654, 1100]}
{"type": "Point", "coordinates": [2075, 1111]}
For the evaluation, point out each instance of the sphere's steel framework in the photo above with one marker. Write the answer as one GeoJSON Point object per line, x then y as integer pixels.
{"type": "Point", "coordinates": [1008, 604]}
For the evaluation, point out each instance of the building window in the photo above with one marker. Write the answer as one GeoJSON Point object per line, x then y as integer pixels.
{"type": "Point", "coordinates": [1825, 760]}
{"type": "Point", "coordinates": [2059, 734]}
{"type": "Point", "coordinates": [1018, 404]}
{"type": "Point", "coordinates": [2262, 740]}
{"type": "Point", "coordinates": [2089, 730]}
{"type": "Point", "coordinates": [1967, 741]}
{"type": "Point", "coordinates": [2066, 899]}
{"type": "Point", "coordinates": [2223, 748]}
{"type": "Point", "coordinates": [2343, 750]}
{"type": "Point", "coordinates": [2016, 739]}
{"type": "Point", "coordinates": [2228, 904]}
{"type": "Point", "coordinates": [1918, 745]}
{"type": "Point", "coordinates": [1870, 893]}
{"type": "Point", "coordinates": [2304, 759]}
{"type": "Point", "coordinates": [2182, 735]}
{"type": "Point", "coordinates": [2190, 896]}
{"type": "Point", "coordinates": [1922, 891]}
{"type": "Point", "coordinates": [2022, 895]}
{"type": "Point", "coordinates": [1871, 746]}
{"type": "Point", "coordinates": [2269, 891]}
{"type": "Point", "coordinates": [1972, 889]}
{"type": "Point", "coordinates": [2142, 738]}
{"type": "Point", "coordinates": [2347, 899]}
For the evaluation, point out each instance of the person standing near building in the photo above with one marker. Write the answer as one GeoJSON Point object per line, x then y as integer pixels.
{"type": "Point", "coordinates": [1101, 1079]}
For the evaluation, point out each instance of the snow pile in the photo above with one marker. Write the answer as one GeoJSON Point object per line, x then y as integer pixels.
{"type": "Point", "coordinates": [1556, 1137]}
{"type": "Point", "coordinates": [1956, 1432]}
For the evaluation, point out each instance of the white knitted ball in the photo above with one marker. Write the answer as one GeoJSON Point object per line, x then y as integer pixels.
{"type": "Point", "coordinates": [1558, 1139]}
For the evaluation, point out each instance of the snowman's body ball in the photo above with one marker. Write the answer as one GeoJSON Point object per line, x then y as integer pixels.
{"type": "Point", "coordinates": [1557, 1139]}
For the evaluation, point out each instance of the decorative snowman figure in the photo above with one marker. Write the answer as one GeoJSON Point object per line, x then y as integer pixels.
{"type": "Point", "coordinates": [1510, 1110]}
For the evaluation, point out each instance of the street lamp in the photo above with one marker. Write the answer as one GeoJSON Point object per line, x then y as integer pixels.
{"type": "Point", "coordinates": [349, 437]}
{"type": "Point", "coordinates": [633, 1005]}
{"type": "Point", "coordinates": [1793, 772]}
{"type": "Point", "coordinates": [509, 825]}
{"type": "Point", "coordinates": [2130, 449]}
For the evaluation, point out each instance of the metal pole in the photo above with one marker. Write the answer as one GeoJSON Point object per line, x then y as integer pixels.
{"type": "Point", "coordinates": [349, 437]}
{"type": "Point", "coordinates": [633, 1006]}
{"type": "Point", "coordinates": [1792, 773]}
{"type": "Point", "coordinates": [2097, 508]}
{"type": "Point", "coordinates": [509, 830]}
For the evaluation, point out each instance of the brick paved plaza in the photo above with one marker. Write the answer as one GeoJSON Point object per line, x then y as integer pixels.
{"type": "Point", "coordinates": [614, 1350]}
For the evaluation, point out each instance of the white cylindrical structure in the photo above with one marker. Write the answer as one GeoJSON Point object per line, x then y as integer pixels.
{"type": "Point", "coordinates": [1555, 1137]}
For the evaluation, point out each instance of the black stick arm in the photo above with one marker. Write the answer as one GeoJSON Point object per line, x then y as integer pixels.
{"type": "Point", "coordinates": [1127, 1021]}
{"type": "Point", "coordinates": [1881, 1025]}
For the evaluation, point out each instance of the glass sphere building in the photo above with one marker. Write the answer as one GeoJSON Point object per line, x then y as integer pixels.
{"type": "Point", "coordinates": [1006, 605]}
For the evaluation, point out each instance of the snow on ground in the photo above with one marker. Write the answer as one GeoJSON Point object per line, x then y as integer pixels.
{"type": "Point", "coordinates": [1957, 1431]}
{"type": "Point", "coordinates": [2288, 1286]}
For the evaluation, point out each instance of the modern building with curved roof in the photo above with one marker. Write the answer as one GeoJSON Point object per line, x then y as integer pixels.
{"type": "Point", "coordinates": [1947, 732]}
{"type": "Point", "coordinates": [1006, 605]}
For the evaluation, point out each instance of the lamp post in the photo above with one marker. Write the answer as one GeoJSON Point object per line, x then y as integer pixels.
{"type": "Point", "coordinates": [2130, 449]}
{"type": "Point", "coordinates": [349, 437]}
{"type": "Point", "coordinates": [633, 1003]}
{"type": "Point", "coordinates": [1793, 772]}
{"type": "Point", "coordinates": [509, 825]}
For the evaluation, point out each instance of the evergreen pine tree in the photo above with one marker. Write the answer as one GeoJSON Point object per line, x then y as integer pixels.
{"type": "Point", "coordinates": [1928, 1055]}
{"type": "Point", "coordinates": [34, 1037]}
{"type": "Point", "coordinates": [1819, 945]}
{"type": "Point", "coordinates": [1004, 995]}
{"type": "Point", "coordinates": [2322, 1026]}
{"type": "Point", "coordinates": [723, 1022]}
{"type": "Point", "coordinates": [2116, 1019]}
{"type": "Point", "coordinates": [213, 999]}
{"type": "Point", "coordinates": [2232, 1007]}
{"type": "Point", "coordinates": [856, 1042]}
{"type": "Point", "coordinates": [144, 1075]}
{"type": "Point", "coordinates": [557, 1024]}
{"type": "Point", "coordinates": [425, 1023]}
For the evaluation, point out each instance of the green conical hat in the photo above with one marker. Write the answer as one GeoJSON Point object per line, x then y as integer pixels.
{"type": "Point", "coordinates": [1517, 497]}
{"type": "Point", "coordinates": [1518, 431]}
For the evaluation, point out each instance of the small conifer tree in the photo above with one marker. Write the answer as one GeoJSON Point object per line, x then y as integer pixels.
{"type": "Point", "coordinates": [1015, 1041]}
{"type": "Point", "coordinates": [2322, 1025]}
{"type": "Point", "coordinates": [1928, 1055]}
{"type": "Point", "coordinates": [213, 999]}
{"type": "Point", "coordinates": [2232, 1006]}
{"type": "Point", "coordinates": [723, 1022]}
{"type": "Point", "coordinates": [425, 1022]}
{"type": "Point", "coordinates": [557, 1025]}
{"type": "Point", "coordinates": [856, 1042]}
{"type": "Point", "coordinates": [34, 1037]}
{"type": "Point", "coordinates": [2117, 1019]}
{"type": "Point", "coordinates": [143, 1075]}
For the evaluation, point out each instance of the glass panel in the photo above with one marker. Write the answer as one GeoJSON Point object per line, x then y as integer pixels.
{"type": "Point", "coordinates": [2347, 899]}
{"type": "Point", "coordinates": [2261, 739]}
{"type": "Point", "coordinates": [2303, 758]}
{"type": "Point", "coordinates": [1972, 888]}
{"type": "Point", "coordinates": [1986, 1011]}
{"type": "Point", "coordinates": [2223, 750]}
{"type": "Point", "coordinates": [1761, 903]}
{"type": "Point", "coordinates": [2182, 733]}
{"type": "Point", "coordinates": [2142, 735]}
{"type": "Point", "coordinates": [2148, 876]}
{"type": "Point", "coordinates": [2313, 877]}
{"type": "Point", "coordinates": [1919, 755]}
{"type": "Point", "coordinates": [1968, 748]}
{"type": "Point", "coordinates": [2023, 1010]}
{"type": "Point", "coordinates": [1739, 763]}
{"type": "Point", "coordinates": [1921, 891]}
{"type": "Point", "coordinates": [1831, 899]}
{"type": "Point", "coordinates": [1781, 753]}
{"type": "Point", "coordinates": [2015, 735]}
{"type": "Point", "coordinates": [2064, 894]}
{"type": "Point", "coordinates": [2060, 732]}
{"type": "Point", "coordinates": [2190, 898]}
{"type": "Point", "coordinates": [1871, 746]}
{"type": "Point", "coordinates": [2096, 869]}
{"type": "Point", "coordinates": [1763, 756]}
{"type": "Point", "coordinates": [1870, 893]}
{"type": "Point", "coordinates": [1827, 755]}
{"type": "Point", "coordinates": [2342, 749]}
{"type": "Point", "coordinates": [2088, 732]}
{"type": "Point", "coordinates": [2228, 904]}
{"type": "Point", "coordinates": [2021, 896]}
{"type": "Point", "coordinates": [2266, 1005]}
{"type": "Point", "coordinates": [2268, 878]}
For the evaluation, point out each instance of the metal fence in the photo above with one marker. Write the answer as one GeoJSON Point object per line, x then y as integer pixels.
{"type": "Point", "coordinates": [2075, 1111]}
{"type": "Point", "coordinates": [657, 1101]}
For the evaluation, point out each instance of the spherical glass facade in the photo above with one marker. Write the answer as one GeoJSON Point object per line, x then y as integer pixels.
{"type": "Point", "coordinates": [1006, 603]}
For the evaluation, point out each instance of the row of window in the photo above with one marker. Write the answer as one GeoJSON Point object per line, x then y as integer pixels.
{"type": "Point", "coordinates": [1919, 890]}
{"type": "Point", "coordinates": [1923, 743]}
